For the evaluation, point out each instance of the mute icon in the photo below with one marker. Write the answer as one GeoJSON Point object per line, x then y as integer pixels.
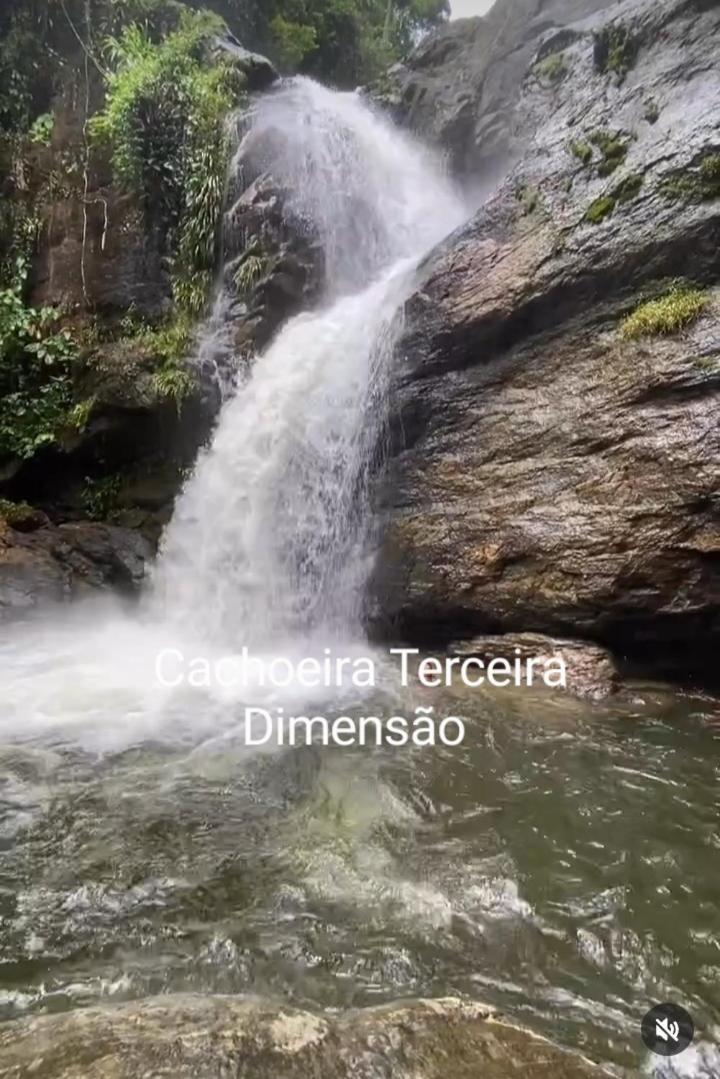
{"type": "Point", "coordinates": [667, 1030]}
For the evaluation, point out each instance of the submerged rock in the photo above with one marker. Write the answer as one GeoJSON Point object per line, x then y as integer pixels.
{"type": "Point", "coordinates": [189, 1037]}
{"type": "Point", "coordinates": [549, 472]}
{"type": "Point", "coordinates": [591, 671]}
{"type": "Point", "coordinates": [51, 564]}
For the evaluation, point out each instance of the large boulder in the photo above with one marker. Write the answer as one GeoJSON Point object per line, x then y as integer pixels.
{"type": "Point", "coordinates": [210, 1037]}
{"type": "Point", "coordinates": [53, 564]}
{"type": "Point", "coordinates": [548, 473]}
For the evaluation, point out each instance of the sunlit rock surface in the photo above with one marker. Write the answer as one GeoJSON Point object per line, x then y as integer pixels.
{"type": "Point", "coordinates": [209, 1037]}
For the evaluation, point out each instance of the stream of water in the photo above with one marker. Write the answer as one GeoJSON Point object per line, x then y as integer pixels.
{"type": "Point", "coordinates": [558, 864]}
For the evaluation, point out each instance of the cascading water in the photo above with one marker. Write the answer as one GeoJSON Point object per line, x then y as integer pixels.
{"type": "Point", "coordinates": [270, 543]}
{"type": "Point", "coordinates": [270, 537]}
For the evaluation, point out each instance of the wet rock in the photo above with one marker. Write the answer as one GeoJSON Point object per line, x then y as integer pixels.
{"type": "Point", "coordinates": [189, 1037]}
{"type": "Point", "coordinates": [547, 474]}
{"type": "Point", "coordinates": [96, 250]}
{"type": "Point", "coordinates": [461, 89]}
{"type": "Point", "coordinates": [591, 670]}
{"type": "Point", "coordinates": [275, 265]}
{"type": "Point", "coordinates": [258, 72]}
{"type": "Point", "coordinates": [58, 563]}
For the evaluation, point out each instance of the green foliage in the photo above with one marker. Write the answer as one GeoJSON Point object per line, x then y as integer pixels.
{"type": "Point", "coordinates": [552, 69]}
{"type": "Point", "coordinates": [169, 343]}
{"type": "Point", "coordinates": [164, 121]}
{"type": "Point", "coordinates": [599, 209]}
{"type": "Point", "coordinates": [41, 129]}
{"type": "Point", "coordinates": [616, 51]}
{"type": "Point", "coordinates": [583, 151]}
{"type": "Point", "coordinates": [35, 376]}
{"type": "Point", "coordinates": [100, 497]}
{"type": "Point", "coordinates": [669, 314]}
{"type": "Point", "coordinates": [293, 41]}
{"type": "Point", "coordinates": [710, 176]}
{"type": "Point", "coordinates": [16, 514]}
{"type": "Point", "coordinates": [78, 416]}
{"type": "Point", "coordinates": [612, 149]}
{"type": "Point", "coordinates": [252, 269]}
{"type": "Point", "coordinates": [698, 184]}
{"type": "Point", "coordinates": [174, 383]}
{"type": "Point", "coordinates": [344, 42]}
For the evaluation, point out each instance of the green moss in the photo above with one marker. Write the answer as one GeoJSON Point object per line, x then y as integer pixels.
{"type": "Point", "coordinates": [652, 111]}
{"type": "Point", "coordinates": [613, 150]}
{"type": "Point", "coordinates": [601, 208]}
{"type": "Point", "coordinates": [711, 364]}
{"type": "Point", "coordinates": [552, 69]}
{"type": "Point", "coordinates": [529, 198]}
{"type": "Point", "coordinates": [616, 51]}
{"type": "Point", "coordinates": [629, 187]}
{"type": "Point", "coordinates": [696, 184]}
{"type": "Point", "coordinates": [710, 176]}
{"type": "Point", "coordinates": [583, 151]}
{"type": "Point", "coordinates": [668, 314]}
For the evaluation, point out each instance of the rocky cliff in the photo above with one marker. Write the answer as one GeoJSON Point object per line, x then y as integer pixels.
{"type": "Point", "coordinates": [556, 453]}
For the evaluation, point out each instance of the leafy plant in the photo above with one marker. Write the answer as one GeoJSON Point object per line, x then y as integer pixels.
{"type": "Point", "coordinates": [99, 497]}
{"type": "Point", "coordinates": [164, 121]}
{"type": "Point", "coordinates": [668, 314]}
{"type": "Point", "coordinates": [616, 50]}
{"type": "Point", "coordinates": [79, 415]}
{"type": "Point", "coordinates": [41, 129]}
{"type": "Point", "coordinates": [293, 41]}
{"type": "Point", "coordinates": [174, 383]}
{"type": "Point", "coordinates": [583, 151]}
{"type": "Point", "coordinates": [36, 355]}
{"type": "Point", "coordinates": [252, 268]}
{"type": "Point", "coordinates": [613, 150]}
{"type": "Point", "coordinates": [552, 69]}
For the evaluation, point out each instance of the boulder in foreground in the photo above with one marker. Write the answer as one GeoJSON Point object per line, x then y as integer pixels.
{"type": "Point", "coordinates": [193, 1037]}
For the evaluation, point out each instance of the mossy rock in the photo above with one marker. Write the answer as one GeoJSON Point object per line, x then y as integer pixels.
{"type": "Point", "coordinates": [613, 151]}
{"type": "Point", "coordinates": [667, 314]}
{"type": "Point", "coordinates": [552, 69]}
{"type": "Point", "coordinates": [616, 50]}
{"type": "Point", "coordinates": [599, 209]}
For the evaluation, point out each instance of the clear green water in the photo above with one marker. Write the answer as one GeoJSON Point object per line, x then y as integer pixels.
{"type": "Point", "coordinates": [562, 864]}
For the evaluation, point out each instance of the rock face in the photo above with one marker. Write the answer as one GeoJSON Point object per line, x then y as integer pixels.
{"type": "Point", "coordinates": [210, 1037]}
{"type": "Point", "coordinates": [49, 564]}
{"type": "Point", "coordinates": [548, 474]}
{"type": "Point", "coordinates": [274, 266]}
{"type": "Point", "coordinates": [462, 87]}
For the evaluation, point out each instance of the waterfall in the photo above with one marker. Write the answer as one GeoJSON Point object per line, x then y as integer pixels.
{"type": "Point", "coordinates": [272, 535]}
{"type": "Point", "coordinates": [271, 541]}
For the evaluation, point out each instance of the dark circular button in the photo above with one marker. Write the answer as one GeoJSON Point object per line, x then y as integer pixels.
{"type": "Point", "coordinates": [667, 1030]}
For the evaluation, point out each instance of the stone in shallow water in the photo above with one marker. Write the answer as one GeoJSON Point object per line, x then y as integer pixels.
{"type": "Point", "coordinates": [591, 669]}
{"type": "Point", "coordinates": [190, 1037]}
